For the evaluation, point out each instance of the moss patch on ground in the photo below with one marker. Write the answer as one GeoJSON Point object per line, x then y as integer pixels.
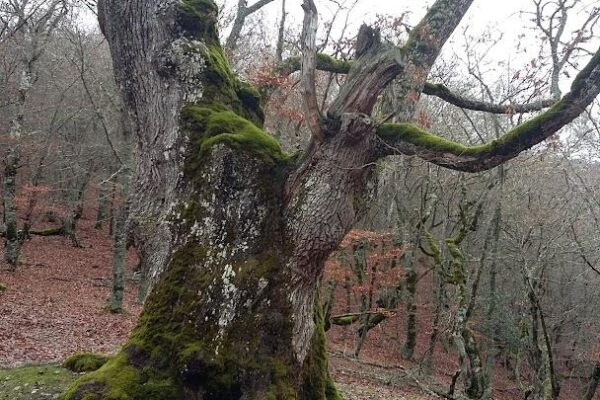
{"type": "Point", "coordinates": [35, 382]}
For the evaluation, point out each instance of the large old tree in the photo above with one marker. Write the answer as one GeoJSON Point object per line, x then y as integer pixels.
{"type": "Point", "coordinates": [234, 232]}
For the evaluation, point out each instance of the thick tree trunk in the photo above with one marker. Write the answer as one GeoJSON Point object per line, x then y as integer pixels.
{"type": "Point", "coordinates": [232, 233]}
{"type": "Point", "coordinates": [219, 324]}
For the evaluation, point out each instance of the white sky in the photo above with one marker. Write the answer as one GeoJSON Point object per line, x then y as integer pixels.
{"type": "Point", "coordinates": [507, 19]}
{"type": "Point", "coordinates": [506, 16]}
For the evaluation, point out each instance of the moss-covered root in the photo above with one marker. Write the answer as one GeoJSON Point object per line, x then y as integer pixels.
{"type": "Point", "coordinates": [119, 379]}
{"type": "Point", "coordinates": [85, 362]}
{"type": "Point", "coordinates": [136, 374]}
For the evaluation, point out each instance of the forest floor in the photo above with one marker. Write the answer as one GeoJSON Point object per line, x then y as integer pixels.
{"type": "Point", "coordinates": [54, 305]}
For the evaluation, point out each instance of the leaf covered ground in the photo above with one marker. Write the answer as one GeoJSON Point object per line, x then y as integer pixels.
{"type": "Point", "coordinates": [54, 306]}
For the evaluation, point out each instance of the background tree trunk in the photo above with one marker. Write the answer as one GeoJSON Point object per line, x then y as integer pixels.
{"type": "Point", "coordinates": [12, 243]}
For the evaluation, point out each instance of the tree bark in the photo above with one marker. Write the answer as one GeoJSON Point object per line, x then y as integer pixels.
{"type": "Point", "coordinates": [103, 205]}
{"type": "Point", "coordinates": [120, 249]}
{"type": "Point", "coordinates": [12, 245]}
{"type": "Point", "coordinates": [408, 349]}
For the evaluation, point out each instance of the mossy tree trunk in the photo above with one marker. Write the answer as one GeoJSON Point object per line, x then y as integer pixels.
{"type": "Point", "coordinates": [12, 244]}
{"type": "Point", "coordinates": [233, 234]}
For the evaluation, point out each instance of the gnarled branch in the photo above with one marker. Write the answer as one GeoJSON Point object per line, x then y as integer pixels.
{"type": "Point", "coordinates": [378, 64]}
{"type": "Point", "coordinates": [458, 100]}
{"type": "Point", "coordinates": [409, 139]}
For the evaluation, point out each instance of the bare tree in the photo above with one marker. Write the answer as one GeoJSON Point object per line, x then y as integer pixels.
{"type": "Point", "coordinates": [35, 21]}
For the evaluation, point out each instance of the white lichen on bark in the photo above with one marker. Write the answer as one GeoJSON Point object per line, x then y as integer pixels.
{"type": "Point", "coordinates": [188, 57]}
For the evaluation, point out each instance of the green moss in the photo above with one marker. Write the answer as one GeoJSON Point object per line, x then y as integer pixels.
{"type": "Point", "coordinates": [118, 379]}
{"type": "Point", "coordinates": [411, 133]}
{"type": "Point", "coordinates": [252, 101]}
{"type": "Point", "coordinates": [3, 288]}
{"type": "Point", "coordinates": [220, 85]}
{"type": "Point", "coordinates": [85, 362]}
{"type": "Point", "coordinates": [34, 382]}
{"type": "Point", "coordinates": [212, 126]}
{"type": "Point", "coordinates": [521, 137]}
{"type": "Point", "coordinates": [327, 63]}
{"type": "Point", "coordinates": [317, 383]}
{"type": "Point", "coordinates": [199, 18]}
{"type": "Point", "coordinates": [458, 274]}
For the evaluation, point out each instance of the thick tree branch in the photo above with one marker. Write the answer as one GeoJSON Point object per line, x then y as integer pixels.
{"type": "Point", "coordinates": [309, 62]}
{"type": "Point", "coordinates": [409, 139]}
{"type": "Point", "coordinates": [377, 64]}
{"type": "Point", "coordinates": [429, 36]}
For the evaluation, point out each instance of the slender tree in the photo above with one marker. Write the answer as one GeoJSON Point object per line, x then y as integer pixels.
{"type": "Point", "coordinates": [235, 233]}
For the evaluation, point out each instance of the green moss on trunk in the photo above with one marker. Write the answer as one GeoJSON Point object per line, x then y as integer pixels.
{"type": "Point", "coordinates": [210, 126]}
{"type": "Point", "coordinates": [316, 381]}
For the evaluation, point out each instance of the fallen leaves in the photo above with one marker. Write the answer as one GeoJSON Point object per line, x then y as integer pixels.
{"type": "Point", "coordinates": [54, 303]}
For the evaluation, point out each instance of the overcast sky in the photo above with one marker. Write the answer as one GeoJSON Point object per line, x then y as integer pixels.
{"type": "Point", "coordinates": [508, 19]}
